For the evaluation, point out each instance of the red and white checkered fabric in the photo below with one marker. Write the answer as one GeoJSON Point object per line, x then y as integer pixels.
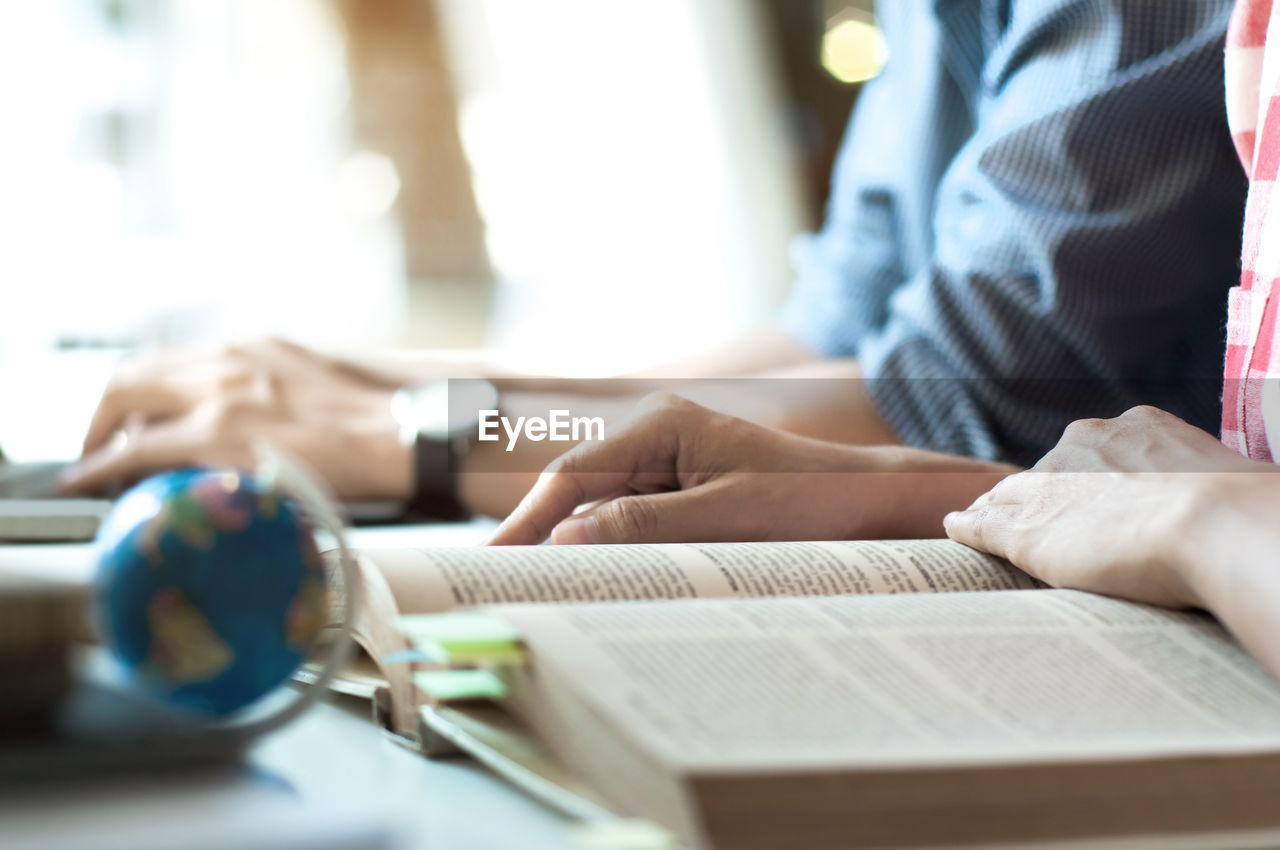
{"type": "Point", "coordinates": [1253, 353]}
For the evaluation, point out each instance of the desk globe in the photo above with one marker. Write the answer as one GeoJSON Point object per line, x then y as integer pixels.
{"type": "Point", "coordinates": [210, 588]}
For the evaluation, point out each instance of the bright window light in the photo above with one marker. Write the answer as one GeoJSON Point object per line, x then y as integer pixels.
{"type": "Point", "coordinates": [367, 184]}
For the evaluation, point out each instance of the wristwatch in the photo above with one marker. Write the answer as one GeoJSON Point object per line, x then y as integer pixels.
{"type": "Point", "coordinates": [439, 420]}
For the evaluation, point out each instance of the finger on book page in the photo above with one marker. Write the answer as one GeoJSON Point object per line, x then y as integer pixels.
{"type": "Point", "coordinates": [683, 516]}
{"type": "Point", "coordinates": [554, 498]}
{"type": "Point", "coordinates": [639, 458]}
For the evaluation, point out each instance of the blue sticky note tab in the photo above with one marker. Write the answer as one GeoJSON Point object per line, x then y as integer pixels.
{"type": "Point", "coordinates": [417, 655]}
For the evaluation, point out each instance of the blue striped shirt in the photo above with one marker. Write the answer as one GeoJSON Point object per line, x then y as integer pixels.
{"type": "Point", "coordinates": [1035, 218]}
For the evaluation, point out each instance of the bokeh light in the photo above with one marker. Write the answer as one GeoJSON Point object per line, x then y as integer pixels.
{"type": "Point", "coordinates": [853, 50]}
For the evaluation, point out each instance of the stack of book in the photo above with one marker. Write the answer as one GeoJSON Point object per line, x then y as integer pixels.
{"type": "Point", "coordinates": [39, 623]}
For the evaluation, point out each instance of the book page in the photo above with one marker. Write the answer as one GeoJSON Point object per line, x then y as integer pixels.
{"type": "Point", "coordinates": [435, 580]}
{"type": "Point", "coordinates": [427, 581]}
{"type": "Point", "coordinates": [924, 679]}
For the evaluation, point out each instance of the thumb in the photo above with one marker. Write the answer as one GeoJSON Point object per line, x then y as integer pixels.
{"type": "Point", "coordinates": [683, 516]}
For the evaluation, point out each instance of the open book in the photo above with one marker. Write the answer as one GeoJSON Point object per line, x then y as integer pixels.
{"type": "Point", "coordinates": [904, 720]}
{"type": "Point", "coordinates": [426, 581]}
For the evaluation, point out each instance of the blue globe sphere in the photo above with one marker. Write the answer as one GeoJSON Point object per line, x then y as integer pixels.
{"type": "Point", "coordinates": [210, 589]}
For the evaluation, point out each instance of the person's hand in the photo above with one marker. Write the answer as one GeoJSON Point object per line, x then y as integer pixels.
{"type": "Point", "coordinates": [1119, 507]}
{"type": "Point", "coordinates": [173, 409]}
{"type": "Point", "coordinates": [678, 472]}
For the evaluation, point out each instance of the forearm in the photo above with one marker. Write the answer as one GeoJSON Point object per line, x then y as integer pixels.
{"type": "Point", "coordinates": [822, 401]}
{"type": "Point", "coordinates": [914, 489]}
{"type": "Point", "coordinates": [757, 353]}
{"type": "Point", "coordinates": [1230, 556]}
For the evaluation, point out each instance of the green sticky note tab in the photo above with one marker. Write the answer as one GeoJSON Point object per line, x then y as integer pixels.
{"type": "Point", "coordinates": [447, 685]}
{"type": "Point", "coordinates": [505, 655]}
{"type": "Point", "coordinates": [621, 834]}
{"type": "Point", "coordinates": [464, 637]}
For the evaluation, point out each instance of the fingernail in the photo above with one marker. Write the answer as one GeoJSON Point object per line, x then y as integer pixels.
{"type": "Point", "coordinates": [576, 531]}
{"type": "Point", "coordinates": [950, 518]}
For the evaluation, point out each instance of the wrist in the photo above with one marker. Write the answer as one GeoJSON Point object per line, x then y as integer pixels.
{"type": "Point", "coordinates": [1225, 529]}
{"type": "Point", "coordinates": [396, 465]}
{"type": "Point", "coordinates": [914, 489]}
{"type": "Point", "coordinates": [437, 423]}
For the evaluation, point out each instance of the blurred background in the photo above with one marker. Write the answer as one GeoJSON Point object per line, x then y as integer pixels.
{"type": "Point", "coordinates": [544, 178]}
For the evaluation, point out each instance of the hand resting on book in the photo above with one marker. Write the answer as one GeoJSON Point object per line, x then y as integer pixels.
{"type": "Point", "coordinates": [678, 472]}
{"type": "Point", "coordinates": [1149, 508]}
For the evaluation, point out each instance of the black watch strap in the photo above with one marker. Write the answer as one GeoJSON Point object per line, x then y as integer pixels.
{"type": "Point", "coordinates": [435, 489]}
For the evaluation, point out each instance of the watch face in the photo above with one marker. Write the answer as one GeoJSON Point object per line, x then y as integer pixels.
{"type": "Point", "coordinates": [430, 410]}
{"type": "Point", "coordinates": [442, 410]}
